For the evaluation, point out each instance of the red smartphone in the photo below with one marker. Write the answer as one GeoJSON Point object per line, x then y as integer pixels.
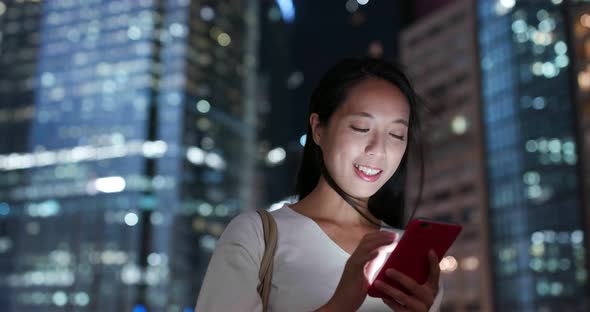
{"type": "Point", "coordinates": [410, 256]}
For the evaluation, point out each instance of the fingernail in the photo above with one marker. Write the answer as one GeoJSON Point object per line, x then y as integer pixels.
{"type": "Point", "coordinates": [388, 233]}
{"type": "Point", "coordinates": [390, 272]}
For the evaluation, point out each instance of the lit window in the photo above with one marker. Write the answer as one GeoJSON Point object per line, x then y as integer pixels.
{"type": "Point", "coordinates": [223, 39]}
{"type": "Point", "coordinates": [448, 264]}
{"type": "Point", "coordinates": [207, 13]}
{"type": "Point", "coordinates": [470, 263]}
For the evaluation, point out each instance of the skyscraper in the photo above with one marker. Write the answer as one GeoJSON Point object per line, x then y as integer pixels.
{"type": "Point", "coordinates": [139, 150]}
{"type": "Point", "coordinates": [19, 41]}
{"type": "Point", "coordinates": [454, 188]}
{"type": "Point", "coordinates": [279, 79]}
{"type": "Point", "coordinates": [536, 223]}
{"type": "Point", "coordinates": [579, 26]}
{"type": "Point", "coordinates": [533, 215]}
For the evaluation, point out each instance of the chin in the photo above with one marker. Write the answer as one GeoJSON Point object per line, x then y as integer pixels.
{"type": "Point", "coordinates": [361, 194]}
{"type": "Point", "coordinates": [360, 189]}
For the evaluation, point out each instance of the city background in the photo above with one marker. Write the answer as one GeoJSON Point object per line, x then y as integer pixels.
{"type": "Point", "coordinates": [131, 132]}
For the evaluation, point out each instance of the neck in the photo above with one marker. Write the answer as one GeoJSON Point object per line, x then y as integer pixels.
{"type": "Point", "coordinates": [325, 203]}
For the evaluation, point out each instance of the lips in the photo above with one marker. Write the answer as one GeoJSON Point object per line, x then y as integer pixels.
{"type": "Point", "coordinates": [367, 173]}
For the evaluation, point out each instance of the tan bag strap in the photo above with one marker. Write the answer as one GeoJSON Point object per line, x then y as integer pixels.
{"type": "Point", "coordinates": [270, 242]}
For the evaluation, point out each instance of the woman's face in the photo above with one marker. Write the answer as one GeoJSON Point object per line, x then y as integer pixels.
{"type": "Point", "coordinates": [365, 139]}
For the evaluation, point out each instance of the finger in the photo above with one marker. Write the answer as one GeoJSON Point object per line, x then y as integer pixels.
{"type": "Point", "coordinates": [409, 302]}
{"type": "Point", "coordinates": [369, 247]}
{"type": "Point", "coordinates": [361, 254]}
{"type": "Point", "coordinates": [374, 242]}
{"type": "Point", "coordinates": [394, 305]}
{"type": "Point", "coordinates": [379, 234]}
{"type": "Point", "coordinates": [369, 256]}
{"type": "Point", "coordinates": [360, 260]}
{"type": "Point", "coordinates": [423, 293]}
{"type": "Point", "coordinates": [434, 275]}
{"type": "Point", "coordinates": [388, 248]}
{"type": "Point", "coordinates": [373, 266]}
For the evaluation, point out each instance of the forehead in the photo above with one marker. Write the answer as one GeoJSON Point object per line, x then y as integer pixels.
{"type": "Point", "coordinates": [378, 98]}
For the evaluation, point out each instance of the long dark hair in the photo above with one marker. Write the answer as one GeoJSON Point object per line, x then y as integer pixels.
{"type": "Point", "coordinates": [331, 92]}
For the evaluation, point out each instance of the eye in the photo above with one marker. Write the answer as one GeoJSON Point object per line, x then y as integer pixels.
{"type": "Point", "coordinates": [399, 137]}
{"type": "Point", "coordinates": [359, 129]}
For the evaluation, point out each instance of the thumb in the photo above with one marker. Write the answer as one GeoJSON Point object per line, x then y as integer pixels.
{"type": "Point", "coordinates": [374, 265]}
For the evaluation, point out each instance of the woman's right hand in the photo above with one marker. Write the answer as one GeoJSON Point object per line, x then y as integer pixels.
{"type": "Point", "coordinates": [354, 283]}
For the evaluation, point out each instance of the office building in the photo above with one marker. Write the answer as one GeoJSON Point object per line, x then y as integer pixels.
{"type": "Point", "coordinates": [440, 54]}
{"type": "Point", "coordinates": [529, 206]}
{"type": "Point", "coordinates": [136, 155]}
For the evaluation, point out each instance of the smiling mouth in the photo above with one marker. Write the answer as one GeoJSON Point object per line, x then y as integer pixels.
{"type": "Point", "coordinates": [368, 171]}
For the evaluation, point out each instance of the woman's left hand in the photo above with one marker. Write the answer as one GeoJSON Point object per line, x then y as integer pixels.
{"type": "Point", "coordinates": [421, 297]}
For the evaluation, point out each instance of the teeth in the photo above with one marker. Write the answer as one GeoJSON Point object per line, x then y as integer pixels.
{"type": "Point", "coordinates": [367, 171]}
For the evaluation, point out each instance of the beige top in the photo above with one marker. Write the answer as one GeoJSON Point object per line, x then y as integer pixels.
{"type": "Point", "coordinates": [307, 267]}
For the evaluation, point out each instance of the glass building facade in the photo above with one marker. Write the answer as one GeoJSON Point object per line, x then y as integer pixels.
{"type": "Point", "coordinates": [454, 188]}
{"type": "Point", "coordinates": [128, 132]}
{"type": "Point", "coordinates": [19, 37]}
{"type": "Point", "coordinates": [579, 22]}
{"type": "Point", "coordinates": [535, 213]}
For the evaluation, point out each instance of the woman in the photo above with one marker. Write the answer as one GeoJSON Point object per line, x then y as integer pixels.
{"type": "Point", "coordinates": [362, 123]}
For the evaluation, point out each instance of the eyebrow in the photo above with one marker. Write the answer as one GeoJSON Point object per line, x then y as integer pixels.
{"type": "Point", "coordinates": [367, 115]}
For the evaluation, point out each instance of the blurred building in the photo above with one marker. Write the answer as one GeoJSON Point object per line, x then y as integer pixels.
{"type": "Point", "coordinates": [278, 144]}
{"type": "Point", "coordinates": [512, 111]}
{"type": "Point", "coordinates": [19, 42]}
{"type": "Point", "coordinates": [579, 25]}
{"type": "Point", "coordinates": [535, 212]}
{"type": "Point", "coordinates": [128, 142]}
{"type": "Point", "coordinates": [440, 53]}
{"type": "Point", "coordinates": [19, 39]}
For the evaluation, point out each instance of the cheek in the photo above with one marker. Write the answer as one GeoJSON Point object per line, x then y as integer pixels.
{"type": "Point", "coordinates": [343, 145]}
{"type": "Point", "coordinates": [340, 153]}
{"type": "Point", "coordinates": [395, 156]}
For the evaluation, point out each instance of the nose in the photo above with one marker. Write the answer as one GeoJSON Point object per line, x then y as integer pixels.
{"type": "Point", "coordinates": [376, 145]}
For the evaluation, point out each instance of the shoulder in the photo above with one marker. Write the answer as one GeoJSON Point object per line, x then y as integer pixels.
{"type": "Point", "coordinates": [244, 236]}
{"type": "Point", "coordinates": [245, 226]}
{"type": "Point", "coordinates": [249, 224]}
{"type": "Point", "coordinates": [289, 221]}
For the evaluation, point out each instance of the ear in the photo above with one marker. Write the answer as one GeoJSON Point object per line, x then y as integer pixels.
{"type": "Point", "coordinates": [316, 128]}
